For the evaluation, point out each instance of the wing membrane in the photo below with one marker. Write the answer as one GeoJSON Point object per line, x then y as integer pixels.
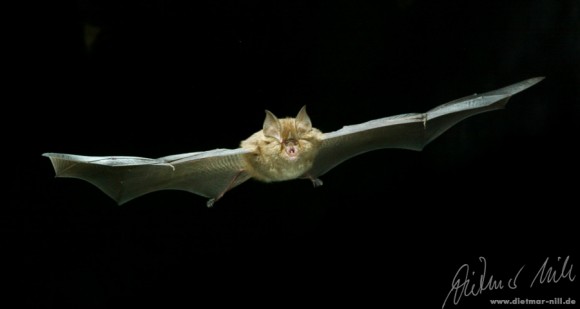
{"type": "Point", "coordinates": [408, 131]}
{"type": "Point", "coordinates": [209, 174]}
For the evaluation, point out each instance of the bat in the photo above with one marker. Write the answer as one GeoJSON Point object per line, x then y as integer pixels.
{"type": "Point", "coordinates": [285, 149]}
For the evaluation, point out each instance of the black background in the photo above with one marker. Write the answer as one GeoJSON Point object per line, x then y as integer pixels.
{"type": "Point", "coordinates": [390, 227]}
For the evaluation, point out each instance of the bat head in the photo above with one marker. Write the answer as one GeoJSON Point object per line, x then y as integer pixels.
{"type": "Point", "coordinates": [291, 136]}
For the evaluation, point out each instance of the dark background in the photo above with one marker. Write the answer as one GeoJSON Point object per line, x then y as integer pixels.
{"type": "Point", "coordinates": [390, 227]}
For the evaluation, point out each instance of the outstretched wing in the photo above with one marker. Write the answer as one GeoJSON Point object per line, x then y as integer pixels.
{"type": "Point", "coordinates": [407, 131]}
{"type": "Point", "coordinates": [209, 174]}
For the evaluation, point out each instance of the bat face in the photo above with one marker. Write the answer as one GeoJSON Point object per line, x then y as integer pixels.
{"type": "Point", "coordinates": [284, 149]}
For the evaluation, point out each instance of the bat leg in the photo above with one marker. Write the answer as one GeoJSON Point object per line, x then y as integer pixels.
{"type": "Point", "coordinates": [212, 201]}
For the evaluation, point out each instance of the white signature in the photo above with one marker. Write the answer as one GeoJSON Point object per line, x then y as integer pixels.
{"type": "Point", "coordinates": [465, 282]}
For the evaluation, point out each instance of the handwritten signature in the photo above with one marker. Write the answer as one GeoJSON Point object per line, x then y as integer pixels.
{"type": "Point", "coordinates": [465, 284]}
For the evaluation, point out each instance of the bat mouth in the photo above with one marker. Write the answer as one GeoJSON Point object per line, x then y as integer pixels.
{"type": "Point", "coordinates": [291, 151]}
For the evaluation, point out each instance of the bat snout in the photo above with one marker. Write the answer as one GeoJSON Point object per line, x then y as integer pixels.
{"type": "Point", "coordinates": [291, 149]}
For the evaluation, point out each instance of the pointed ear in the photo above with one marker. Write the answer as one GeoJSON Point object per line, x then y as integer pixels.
{"type": "Point", "coordinates": [272, 126]}
{"type": "Point", "coordinates": [303, 123]}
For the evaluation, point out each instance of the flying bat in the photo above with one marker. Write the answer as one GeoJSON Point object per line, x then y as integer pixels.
{"type": "Point", "coordinates": [285, 149]}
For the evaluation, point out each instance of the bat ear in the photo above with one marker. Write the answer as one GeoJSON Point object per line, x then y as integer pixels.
{"type": "Point", "coordinates": [272, 126]}
{"type": "Point", "coordinates": [303, 123]}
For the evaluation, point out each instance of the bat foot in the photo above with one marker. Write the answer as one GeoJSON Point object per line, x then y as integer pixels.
{"type": "Point", "coordinates": [316, 182]}
{"type": "Point", "coordinates": [210, 202]}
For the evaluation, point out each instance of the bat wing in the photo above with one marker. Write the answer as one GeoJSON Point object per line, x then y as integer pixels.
{"type": "Point", "coordinates": [209, 174]}
{"type": "Point", "coordinates": [407, 131]}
